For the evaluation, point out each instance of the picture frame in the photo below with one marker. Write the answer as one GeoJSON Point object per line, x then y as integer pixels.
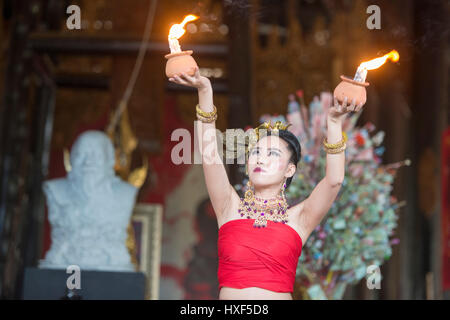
{"type": "Point", "coordinates": [147, 227]}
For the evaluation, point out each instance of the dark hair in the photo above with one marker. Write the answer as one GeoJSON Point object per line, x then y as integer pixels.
{"type": "Point", "coordinates": [293, 146]}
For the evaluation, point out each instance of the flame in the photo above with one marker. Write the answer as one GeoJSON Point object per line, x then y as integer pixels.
{"type": "Point", "coordinates": [177, 30]}
{"type": "Point", "coordinates": [378, 62]}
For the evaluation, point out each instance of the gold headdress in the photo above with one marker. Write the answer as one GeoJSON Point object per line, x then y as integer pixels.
{"type": "Point", "coordinates": [249, 139]}
{"type": "Point", "coordinates": [268, 126]}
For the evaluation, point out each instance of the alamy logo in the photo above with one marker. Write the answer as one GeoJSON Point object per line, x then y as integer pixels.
{"type": "Point", "coordinates": [374, 277]}
{"type": "Point", "coordinates": [374, 21]}
{"type": "Point", "coordinates": [74, 280]}
{"type": "Point", "coordinates": [74, 20]}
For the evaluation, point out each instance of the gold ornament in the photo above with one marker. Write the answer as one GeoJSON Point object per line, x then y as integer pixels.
{"type": "Point", "coordinates": [249, 139]}
{"type": "Point", "coordinates": [207, 120]}
{"type": "Point", "coordinates": [335, 145]}
{"type": "Point", "coordinates": [337, 150]}
{"type": "Point", "coordinates": [204, 113]}
{"type": "Point", "coordinates": [267, 126]}
{"type": "Point", "coordinates": [261, 210]}
{"type": "Point", "coordinates": [249, 193]}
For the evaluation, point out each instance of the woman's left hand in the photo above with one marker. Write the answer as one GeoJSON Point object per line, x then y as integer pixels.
{"type": "Point", "coordinates": [338, 111]}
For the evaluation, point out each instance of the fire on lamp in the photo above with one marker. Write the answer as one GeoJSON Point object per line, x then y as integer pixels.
{"type": "Point", "coordinates": [179, 61]}
{"type": "Point", "coordinates": [356, 88]}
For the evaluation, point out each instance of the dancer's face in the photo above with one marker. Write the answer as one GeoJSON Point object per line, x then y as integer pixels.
{"type": "Point", "coordinates": [271, 154]}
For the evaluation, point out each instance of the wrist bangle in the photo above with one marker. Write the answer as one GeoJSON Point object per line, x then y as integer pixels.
{"type": "Point", "coordinates": [207, 119]}
{"type": "Point", "coordinates": [335, 145]}
{"type": "Point", "coordinates": [336, 150]}
{"type": "Point", "coordinates": [206, 114]}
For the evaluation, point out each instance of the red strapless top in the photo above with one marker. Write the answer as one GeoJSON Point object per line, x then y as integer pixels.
{"type": "Point", "coordinates": [258, 257]}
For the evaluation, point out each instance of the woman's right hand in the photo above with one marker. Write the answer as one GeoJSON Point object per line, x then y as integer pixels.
{"type": "Point", "coordinates": [196, 81]}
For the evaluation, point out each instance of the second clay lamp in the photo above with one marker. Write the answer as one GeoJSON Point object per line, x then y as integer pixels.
{"type": "Point", "coordinates": [356, 88]}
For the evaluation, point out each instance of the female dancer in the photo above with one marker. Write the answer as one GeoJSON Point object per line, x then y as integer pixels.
{"type": "Point", "coordinates": [260, 238]}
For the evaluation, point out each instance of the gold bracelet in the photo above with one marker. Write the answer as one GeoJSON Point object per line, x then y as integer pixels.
{"type": "Point", "coordinates": [335, 145]}
{"type": "Point", "coordinates": [206, 114]}
{"type": "Point", "coordinates": [336, 150]}
{"type": "Point", "coordinates": [207, 119]}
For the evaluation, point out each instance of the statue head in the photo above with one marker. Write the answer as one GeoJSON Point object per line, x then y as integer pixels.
{"type": "Point", "coordinates": [92, 158]}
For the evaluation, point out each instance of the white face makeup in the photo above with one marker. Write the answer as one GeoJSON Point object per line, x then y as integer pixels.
{"type": "Point", "coordinates": [270, 157]}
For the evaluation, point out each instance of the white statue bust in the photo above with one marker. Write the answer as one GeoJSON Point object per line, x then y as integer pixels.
{"type": "Point", "coordinates": [89, 210]}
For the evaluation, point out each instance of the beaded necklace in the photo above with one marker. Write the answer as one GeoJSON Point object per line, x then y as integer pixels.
{"type": "Point", "coordinates": [261, 210]}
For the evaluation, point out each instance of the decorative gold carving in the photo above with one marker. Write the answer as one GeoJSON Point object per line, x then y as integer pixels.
{"type": "Point", "coordinates": [67, 164]}
{"type": "Point", "coordinates": [125, 142]}
{"type": "Point", "coordinates": [137, 176]}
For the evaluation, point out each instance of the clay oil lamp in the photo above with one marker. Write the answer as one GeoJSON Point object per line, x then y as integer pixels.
{"type": "Point", "coordinates": [179, 61]}
{"type": "Point", "coordinates": [356, 88]}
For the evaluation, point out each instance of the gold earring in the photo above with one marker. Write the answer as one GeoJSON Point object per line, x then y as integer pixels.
{"type": "Point", "coordinates": [282, 190]}
{"type": "Point", "coordinates": [249, 193]}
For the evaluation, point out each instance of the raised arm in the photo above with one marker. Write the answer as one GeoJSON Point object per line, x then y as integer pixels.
{"type": "Point", "coordinates": [219, 188]}
{"type": "Point", "coordinates": [315, 207]}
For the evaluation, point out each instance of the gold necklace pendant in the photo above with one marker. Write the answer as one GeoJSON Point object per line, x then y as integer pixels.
{"type": "Point", "coordinates": [262, 210]}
